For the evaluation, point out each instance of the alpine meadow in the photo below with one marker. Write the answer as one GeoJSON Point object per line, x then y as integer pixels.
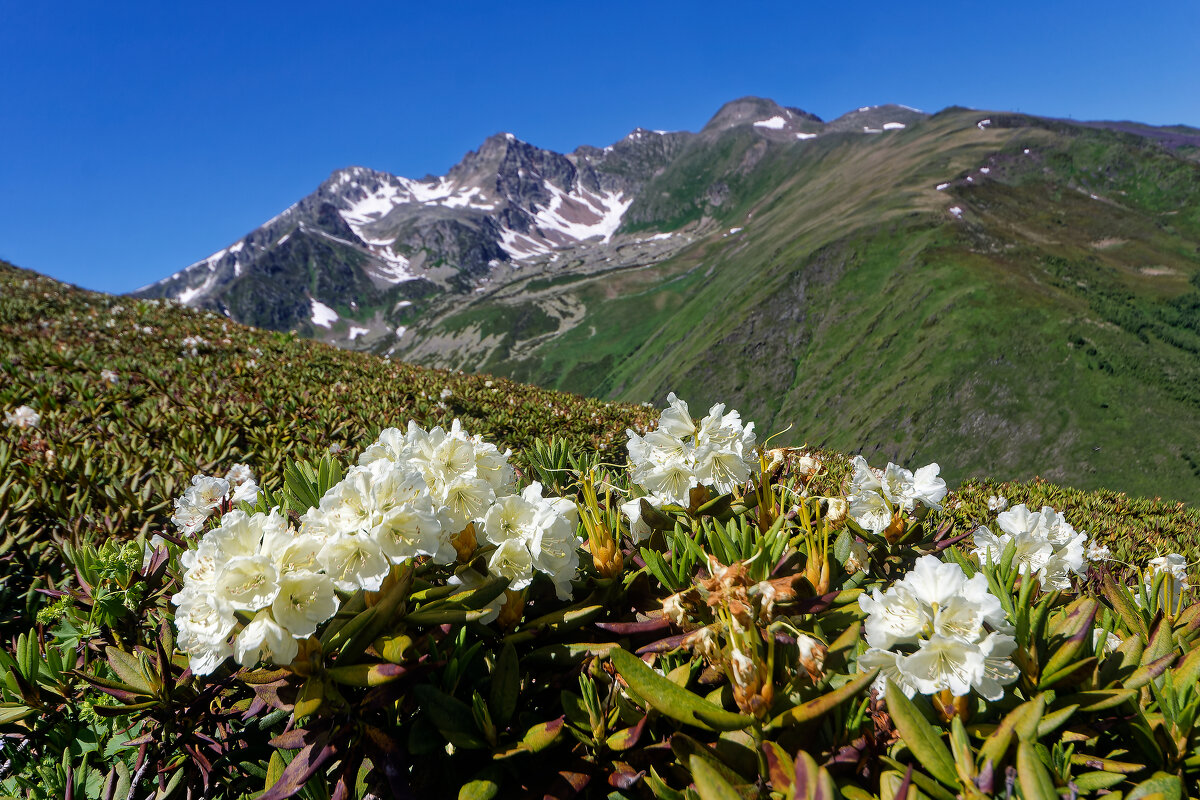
{"type": "Point", "coordinates": [788, 460]}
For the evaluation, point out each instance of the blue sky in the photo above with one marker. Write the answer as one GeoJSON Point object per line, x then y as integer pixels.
{"type": "Point", "coordinates": [138, 137]}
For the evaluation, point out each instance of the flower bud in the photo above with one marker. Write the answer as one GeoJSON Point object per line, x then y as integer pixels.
{"type": "Point", "coordinates": [812, 656]}
{"type": "Point", "coordinates": [464, 543]}
{"type": "Point", "coordinates": [514, 607]}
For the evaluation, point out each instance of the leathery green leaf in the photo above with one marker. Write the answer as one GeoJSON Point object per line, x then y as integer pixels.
{"type": "Point", "coordinates": [1100, 699]}
{"type": "Point", "coordinates": [366, 674]}
{"type": "Point", "coordinates": [1091, 781]}
{"type": "Point", "coordinates": [821, 705]}
{"type": "Point", "coordinates": [1035, 780]}
{"type": "Point", "coordinates": [1022, 721]}
{"type": "Point", "coordinates": [506, 685]}
{"type": "Point", "coordinates": [921, 738]}
{"type": "Point", "coordinates": [309, 698]}
{"type": "Point", "coordinates": [1162, 784]}
{"type": "Point", "coordinates": [1122, 602]}
{"type": "Point", "coordinates": [672, 700]}
{"type": "Point", "coordinates": [922, 781]}
{"type": "Point", "coordinates": [709, 783]}
{"type": "Point", "coordinates": [1075, 629]}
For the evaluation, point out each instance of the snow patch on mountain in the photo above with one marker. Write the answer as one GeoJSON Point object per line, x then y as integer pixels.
{"type": "Point", "coordinates": [581, 215]}
{"type": "Point", "coordinates": [774, 123]}
{"type": "Point", "coordinates": [322, 314]}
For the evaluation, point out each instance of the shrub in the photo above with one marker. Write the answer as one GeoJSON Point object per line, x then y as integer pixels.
{"type": "Point", "coordinates": [715, 620]}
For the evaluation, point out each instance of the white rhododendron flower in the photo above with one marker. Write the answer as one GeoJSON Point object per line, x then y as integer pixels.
{"type": "Point", "coordinates": [1174, 566]}
{"type": "Point", "coordinates": [936, 629]}
{"type": "Point", "coordinates": [354, 561]}
{"type": "Point", "coordinates": [264, 638]}
{"type": "Point", "coordinates": [679, 455]}
{"type": "Point", "coordinates": [22, 417]}
{"type": "Point", "coordinates": [531, 533]}
{"type": "Point", "coordinates": [242, 484]}
{"type": "Point", "coordinates": [200, 500]}
{"type": "Point", "coordinates": [108, 376]}
{"type": "Point", "coordinates": [305, 600]}
{"type": "Point", "coordinates": [1046, 545]}
{"type": "Point", "coordinates": [997, 502]}
{"type": "Point", "coordinates": [875, 497]}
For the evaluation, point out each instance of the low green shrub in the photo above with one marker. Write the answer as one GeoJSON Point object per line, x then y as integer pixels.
{"type": "Point", "coordinates": [714, 619]}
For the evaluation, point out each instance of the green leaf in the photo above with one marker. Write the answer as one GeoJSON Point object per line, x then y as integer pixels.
{"type": "Point", "coordinates": [506, 685]}
{"type": "Point", "coordinates": [1022, 721]}
{"type": "Point", "coordinates": [451, 716]}
{"type": "Point", "coordinates": [309, 698]}
{"type": "Point", "coordinates": [484, 787]}
{"type": "Point", "coordinates": [709, 783]}
{"type": "Point", "coordinates": [1075, 629]}
{"type": "Point", "coordinates": [542, 735]}
{"type": "Point", "coordinates": [1093, 781]}
{"type": "Point", "coordinates": [366, 674]}
{"type": "Point", "coordinates": [1100, 699]}
{"type": "Point", "coordinates": [128, 668]}
{"type": "Point", "coordinates": [1121, 600]}
{"type": "Point", "coordinates": [275, 768]}
{"type": "Point", "coordinates": [1035, 780]}
{"type": "Point", "coordinates": [1148, 672]}
{"type": "Point", "coordinates": [1169, 787]}
{"type": "Point", "coordinates": [819, 706]}
{"type": "Point", "coordinates": [670, 699]}
{"type": "Point", "coordinates": [921, 738]}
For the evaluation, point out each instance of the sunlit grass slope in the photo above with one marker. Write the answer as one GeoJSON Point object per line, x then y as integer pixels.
{"type": "Point", "coordinates": [1052, 328]}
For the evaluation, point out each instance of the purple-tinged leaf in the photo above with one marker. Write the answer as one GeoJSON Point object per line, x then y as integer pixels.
{"type": "Point", "coordinates": [901, 792]}
{"type": "Point", "coordinates": [779, 767]}
{"type": "Point", "coordinates": [567, 784]}
{"type": "Point", "coordinates": [624, 776]}
{"type": "Point", "coordinates": [303, 766]}
{"type": "Point", "coordinates": [628, 737]}
{"type": "Point", "coordinates": [663, 645]}
{"type": "Point", "coordinates": [636, 628]}
{"type": "Point", "coordinates": [293, 739]}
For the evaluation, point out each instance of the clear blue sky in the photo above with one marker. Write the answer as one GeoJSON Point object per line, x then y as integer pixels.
{"type": "Point", "coordinates": [138, 137]}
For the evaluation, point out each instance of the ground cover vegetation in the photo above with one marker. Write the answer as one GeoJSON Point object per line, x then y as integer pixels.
{"type": "Point", "coordinates": [226, 576]}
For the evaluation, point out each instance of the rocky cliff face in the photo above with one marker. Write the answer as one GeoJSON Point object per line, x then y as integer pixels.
{"type": "Point", "coordinates": [351, 262]}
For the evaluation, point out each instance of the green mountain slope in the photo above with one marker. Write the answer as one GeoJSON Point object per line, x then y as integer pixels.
{"type": "Point", "coordinates": [1051, 325]}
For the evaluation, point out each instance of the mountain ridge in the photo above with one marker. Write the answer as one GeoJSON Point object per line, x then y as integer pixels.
{"type": "Point", "coordinates": [889, 287]}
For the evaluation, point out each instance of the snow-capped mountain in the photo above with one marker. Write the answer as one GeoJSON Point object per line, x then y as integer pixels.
{"type": "Point", "coordinates": [371, 243]}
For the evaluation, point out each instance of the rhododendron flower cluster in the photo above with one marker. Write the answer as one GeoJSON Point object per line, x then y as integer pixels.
{"type": "Point", "coordinates": [935, 629]}
{"type": "Point", "coordinates": [255, 585]}
{"type": "Point", "coordinates": [1046, 545]}
{"type": "Point", "coordinates": [533, 532]}
{"type": "Point", "coordinates": [877, 497]}
{"type": "Point", "coordinates": [208, 494]}
{"type": "Point", "coordinates": [680, 455]}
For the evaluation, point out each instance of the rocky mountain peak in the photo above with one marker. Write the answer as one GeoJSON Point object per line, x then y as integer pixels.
{"type": "Point", "coordinates": [766, 117]}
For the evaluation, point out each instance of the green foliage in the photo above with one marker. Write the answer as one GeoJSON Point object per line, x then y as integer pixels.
{"type": "Point", "coordinates": [629, 688]}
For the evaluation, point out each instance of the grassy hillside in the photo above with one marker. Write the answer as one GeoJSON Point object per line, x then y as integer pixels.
{"type": "Point", "coordinates": [109, 457]}
{"type": "Point", "coordinates": [1052, 328]}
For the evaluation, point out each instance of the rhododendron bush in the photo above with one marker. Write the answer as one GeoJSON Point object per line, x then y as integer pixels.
{"type": "Point", "coordinates": [714, 618]}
